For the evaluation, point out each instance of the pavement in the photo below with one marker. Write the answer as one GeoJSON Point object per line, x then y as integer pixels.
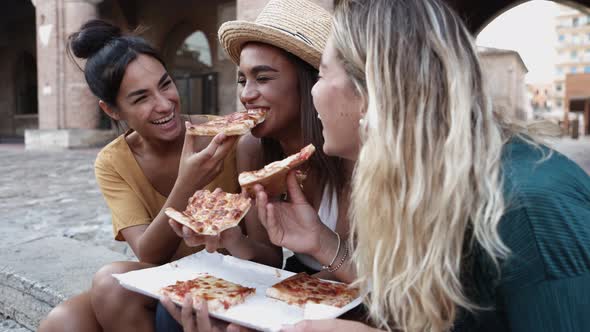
{"type": "Point", "coordinates": [56, 228]}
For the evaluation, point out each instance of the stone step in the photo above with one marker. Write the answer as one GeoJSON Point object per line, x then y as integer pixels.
{"type": "Point", "coordinates": [36, 274]}
{"type": "Point", "coordinates": [8, 325]}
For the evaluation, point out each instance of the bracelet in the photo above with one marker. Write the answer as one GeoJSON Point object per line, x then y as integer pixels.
{"type": "Point", "coordinates": [327, 267]}
{"type": "Point", "coordinates": [341, 260]}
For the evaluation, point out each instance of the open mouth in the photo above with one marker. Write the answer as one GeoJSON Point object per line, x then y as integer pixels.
{"type": "Point", "coordinates": [164, 120]}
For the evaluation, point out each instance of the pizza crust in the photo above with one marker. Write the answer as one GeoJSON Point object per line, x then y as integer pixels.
{"type": "Point", "coordinates": [273, 177]}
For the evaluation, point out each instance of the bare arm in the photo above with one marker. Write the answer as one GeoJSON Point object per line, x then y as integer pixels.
{"type": "Point", "coordinates": [295, 225]}
{"type": "Point", "coordinates": [157, 242]}
{"type": "Point", "coordinates": [255, 244]}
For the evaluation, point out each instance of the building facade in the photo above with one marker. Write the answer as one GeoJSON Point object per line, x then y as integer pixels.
{"type": "Point", "coordinates": [505, 73]}
{"type": "Point", "coordinates": [577, 99]}
{"type": "Point", "coordinates": [573, 50]}
{"type": "Point", "coordinates": [45, 98]}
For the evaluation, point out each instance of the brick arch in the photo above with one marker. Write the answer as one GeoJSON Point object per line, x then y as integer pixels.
{"type": "Point", "coordinates": [478, 14]}
{"type": "Point", "coordinates": [177, 36]}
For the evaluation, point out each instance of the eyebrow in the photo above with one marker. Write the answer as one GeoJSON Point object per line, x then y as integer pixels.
{"type": "Point", "coordinates": [142, 91]}
{"type": "Point", "coordinates": [258, 69]}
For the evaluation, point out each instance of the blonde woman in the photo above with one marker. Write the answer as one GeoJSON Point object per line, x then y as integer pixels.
{"type": "Point", "coordinates": [461, 220]}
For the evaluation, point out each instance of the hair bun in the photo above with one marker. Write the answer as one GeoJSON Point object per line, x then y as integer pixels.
{"type": "Point", "coordinates": [92, 37]}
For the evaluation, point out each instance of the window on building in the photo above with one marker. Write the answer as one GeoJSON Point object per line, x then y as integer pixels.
{"type": "Point", "coordinates": [558, 103]}
{"type": "Point", "coordinates": [562, 38]}
{"type": "Point", "coordinates": [575, 21]}
{"type": "Point", "coordinates": [574, 54]}
{"type": "Point", "coordinates": [558, 87]}
{"type": "Point", "coordinates": [587, 69]}
{"type": "Point", "coordinates": [559, 71]}
{"type": "Point", "coordinates": [575, 39]}
{"type": "Point", "coordinates": [573, 69]}
{"type": "Point", "coordinates": [196, 81]}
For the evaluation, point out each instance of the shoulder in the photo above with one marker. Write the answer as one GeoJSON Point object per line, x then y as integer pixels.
{"type": "Point", "coordinates": [248, 153]}
{"type": "Point", "coordinates": [528, 168]}
{"type": "Point", "coordinates": [112, 152]}
{"type": "Point", "coordinates": [546, 224]}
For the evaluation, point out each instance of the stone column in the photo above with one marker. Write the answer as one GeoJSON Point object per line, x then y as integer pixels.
{"type": "Point", "coordinates": [79, 104]}
{"type": "Point", "coordinates": [68, 113]}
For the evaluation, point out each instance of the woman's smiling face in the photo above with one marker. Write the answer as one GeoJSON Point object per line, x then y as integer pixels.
{"type": "Point", "coordinates": [339, 106]}
{"type": "Point", "coordinates": [148, 100]}
{"type": "Point", "coordinates": [268, 80]}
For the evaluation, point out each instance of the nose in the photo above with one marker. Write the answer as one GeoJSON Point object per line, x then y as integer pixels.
{"type": "Point", "coordinates": [249, 93]}
{"type": "Point", "coordinates": [162, 104]}
{"type": "Point", "coordinates": [314, 91]}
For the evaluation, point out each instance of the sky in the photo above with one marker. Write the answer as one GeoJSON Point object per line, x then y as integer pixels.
{"type": "Point", "coordinates": [529, 29]}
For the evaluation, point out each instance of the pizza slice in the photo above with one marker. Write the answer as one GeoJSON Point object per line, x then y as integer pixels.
{"type": "Point", "coordinates": [235, 124]}
{"type": "Point", "coordinates": [219, 294]}
{"type": "Point", "coordinates": [302, 288]}
{"type": "Point", "coordinates": [210, 213]}
{"type": "Point", "coordinates": [273, 177]}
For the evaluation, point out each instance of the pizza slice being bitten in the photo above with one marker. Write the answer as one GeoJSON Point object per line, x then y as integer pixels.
{"type": "Point", "coordinates": [273, 177]}
{"type": "Point", "coordinates": [210, 213]}
{"type": "Point", "coordinates": [234, 124]}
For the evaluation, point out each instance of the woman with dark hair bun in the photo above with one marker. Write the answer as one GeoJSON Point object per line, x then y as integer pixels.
{"type": "Point", "coordinates": [150, 167]}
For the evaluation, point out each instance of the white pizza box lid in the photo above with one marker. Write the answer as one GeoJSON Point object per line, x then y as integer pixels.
{"type": "Point", "coordinates": [257, 312]}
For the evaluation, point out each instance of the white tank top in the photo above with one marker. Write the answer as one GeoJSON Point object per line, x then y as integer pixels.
{"type": "Point", "coordinates": [328, 213]}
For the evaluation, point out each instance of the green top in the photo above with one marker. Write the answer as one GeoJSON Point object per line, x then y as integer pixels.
{"type": "Point", "coordinates": [544, 285]}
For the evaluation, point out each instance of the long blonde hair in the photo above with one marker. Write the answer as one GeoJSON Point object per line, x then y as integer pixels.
{"type": "Point", "coordinates": [427, 182]}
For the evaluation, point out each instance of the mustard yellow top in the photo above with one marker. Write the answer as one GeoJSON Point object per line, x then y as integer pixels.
{"type": "Point", "coordinates": [128, 193]}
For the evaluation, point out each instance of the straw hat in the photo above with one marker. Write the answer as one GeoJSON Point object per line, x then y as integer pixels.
{"type": "Point", "coordinates": [298, 26]}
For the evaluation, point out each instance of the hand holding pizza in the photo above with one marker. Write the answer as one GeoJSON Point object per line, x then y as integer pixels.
{"type": "Point", "coordinates": [211, 242]}
{"type": "Point", "coordinates": [199, 166]}
{"type": "Point", "coordinates": [294, 225]}
{"type": "Point", "coordinates": [202, 323]}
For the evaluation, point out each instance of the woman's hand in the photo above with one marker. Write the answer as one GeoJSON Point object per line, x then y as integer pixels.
{"type": "Point", "coordinates": [202, 323]}
{"type": "Point", "coordinates": [198, 167]}
{"type": "Point", "coordinates": [294, 225]}
{"type": "Point", "coordinates": [326, 325]}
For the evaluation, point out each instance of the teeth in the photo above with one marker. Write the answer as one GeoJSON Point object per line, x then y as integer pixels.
{"type": "Point", "coordinates": [164, 120]}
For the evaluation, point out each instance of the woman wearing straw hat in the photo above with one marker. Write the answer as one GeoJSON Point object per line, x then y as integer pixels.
{"type": "Point", "coordinates": [278, 57]}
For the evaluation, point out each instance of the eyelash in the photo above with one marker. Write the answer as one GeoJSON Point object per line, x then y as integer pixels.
{"type": "Point", "coordinates": [262, 79]}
